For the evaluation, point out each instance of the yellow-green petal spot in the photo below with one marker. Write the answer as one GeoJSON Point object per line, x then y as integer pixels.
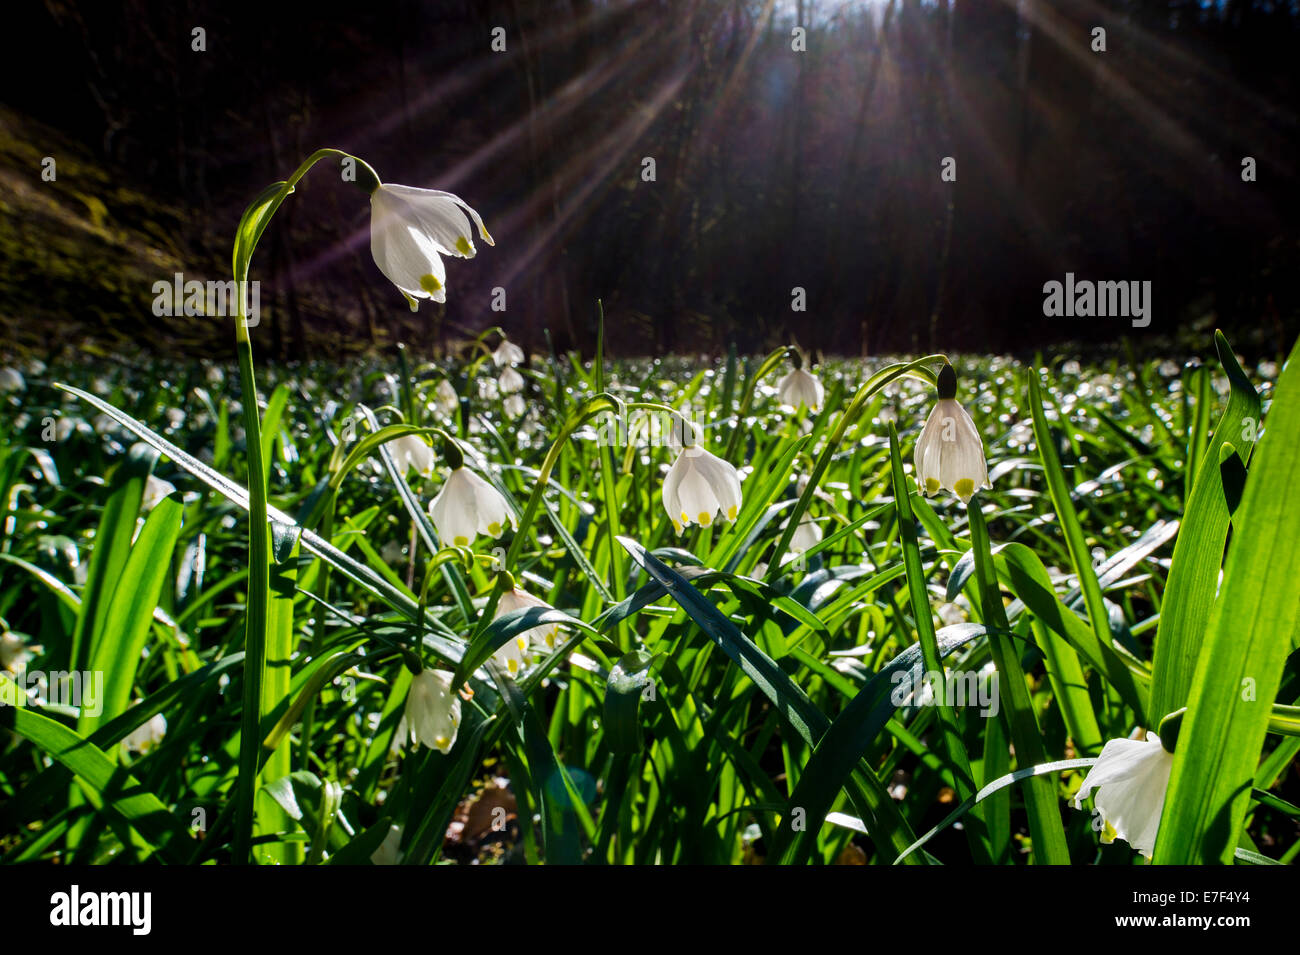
{"type": "Point", "coordinates": [931, 485]}
{"type": "Point", "coordinates": [461, 541]}
{"type": "Point", "coordinates": [494, 529]}
{"type": "Point", "coordinates": [684, 519]}
{"type": "Point", "coordinates": [430, 283]}
{"type": "Point", "coordinates": [964, 488]}
{"type": "Point", "coordinates": [705, 519]}
{"type": "Point", "coordinates": [463, 246]}
{"type": "Point", "coordinates": [731, 513]}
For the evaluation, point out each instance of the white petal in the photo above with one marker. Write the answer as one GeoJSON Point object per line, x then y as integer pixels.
{"type": "Point", "coordinates": [1131, 778]}
{"type": "Point", "coordinates": [696, 497]}
{"type": "Point", "coordinates": [723, 481]}
{"type": "Point", "coordinates": [455, 512]}
{"type": "Point", "coordinates": [439, 215]}
{"type": "Point", "coordinates": [406, 255]}
{"type": "Point", "coordinates": [411, 453]}
{"type": "Point", "coordinates": [507, 353]}
{"type": "Point", "coordinates": [433, 710]}
{"type": "Point", "coordinates": [672, 502]}
{"type": "Point", "coordinates": [493, 512]}
{"type": "Point", "coordinates": [511, 381]}
{"type": "Point", "coordinates": [927, 452]}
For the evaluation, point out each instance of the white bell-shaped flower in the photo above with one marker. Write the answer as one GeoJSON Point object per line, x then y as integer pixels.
{"type": "Point", "coordinates": [411, 453]}
{"type": "Point", "coordinates": [433, 710]}
{"type": "Point", "coordinates": [543, 637]}
{"type": "Point", "coordinates": [507, 353]}
{"type": "Point", "coordinates": [950, 452]}
{"type": "Point", "coordinates": [146, 736]}
{"type": "Point", "coordinates": [511, 381]}
{"type": "Point", "coordinates": [801, 388]}
{"type": "Point", "coordinates": [155, 489]}
{"type": "Point", "coordinates": [1131, 777]}
{"type": "Point", "coordinates": [412, 229]}
{"type": "Point", "coordinates": [390, 850]}
{"type": "Point", "coordinates": [468, 506]}
{"type": "Point", "coordinates": [513, 655]}
{"type": "Point", "coordinates": [806, 536]}
{"type": "Point", "coordinates": [445, 397]}
{"type": "Point", "coordinates": [700, 486]}
{"type": "Point", "coordinates": [515, 406]}
{"type": "Point", "coordinates": [11, 379]}
{"type": "Point", "coordinates": [14, 653]}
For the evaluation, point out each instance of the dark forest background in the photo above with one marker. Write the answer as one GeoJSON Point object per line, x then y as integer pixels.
{"type": "Point", "coordinates": [775, 169]}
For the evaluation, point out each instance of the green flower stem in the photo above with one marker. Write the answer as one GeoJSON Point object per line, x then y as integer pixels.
{"type": "Point", "coordinates": [976, 831]}
{"type": "Point", "coordinates": [251, 226]}
{"type": "Point", "coordinates": [1040, 796]}
{"type": "Point", "coordinates": [256, 609]}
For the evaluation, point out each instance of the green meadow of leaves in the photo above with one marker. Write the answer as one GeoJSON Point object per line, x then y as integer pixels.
{"type": "Point", "coordinates": [716, 696]}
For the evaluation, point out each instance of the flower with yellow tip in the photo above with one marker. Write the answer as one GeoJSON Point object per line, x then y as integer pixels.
{"type": "Point", "coordinates": [543, 637]}
{"type": "Point", "coordinates": [412, 229]}
{"type": "Point", "coordinates": [433, 710]}
{"type": "Point", "coordinates": [1131, 777]}
{"type": "Point", "coordinates": [950, 452]}
{"type": "Point", "coordinates": [699, 487]}
{"type": "Point", "coordinates": [411, 453]}
{"type": "Point", "coordinates": [146, 736]}
{"type": "Point", "coordinates": [468, 506]}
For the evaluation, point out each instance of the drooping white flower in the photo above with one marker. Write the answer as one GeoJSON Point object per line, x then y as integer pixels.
{"type": "Point", "coordinates": [950, 452]}
{"type": "Point", "coordinates": [433, 710]}
{"type": "Point", "coordinates": [468, 506]}
{"type": "Point", "coordinates": [543, 637]}
{"type": "Point", "coordinates": [14, 653]}
{"type": "Point", "coordinates": [146, 736]}
{"type": "Point", "coordinates": [155, 489]}
{"type": "Point", "coordinates": [513, 655]}
{"type": "Point", "coordinates": [507, 353]}
{"type": "Point", "coordinates": [1131, 777]}
{"type": "Point", "coordinates": [806, 536]}
{"type": "Point", "coordinates": [390, 850]}
{"type": "Point", "coordinates": [515, 406]}
{"type": "Point", "coordinates": [446, 398]}
{"type": "Point", "coordinates": [411, 453]}
{"type": "Point", "coordinates": [511, 381]}
{"type": "Point", "coordinates": [699, 486]}
{"type": "Point", "coordinates": [412, 229]}
{"type": "Point", "coordinates": [801, 388]}
{"type": "Point", "coordinates": [11, 379]}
